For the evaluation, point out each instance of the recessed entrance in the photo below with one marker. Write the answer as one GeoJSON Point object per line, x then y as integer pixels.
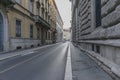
{"type": "Point", "coordinates": [1, 32]}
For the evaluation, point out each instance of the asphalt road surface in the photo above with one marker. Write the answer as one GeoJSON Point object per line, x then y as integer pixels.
{"type": "Point", "coordinates": [45, 64]}
{"type": "Point", "coordinates": [49, 63]}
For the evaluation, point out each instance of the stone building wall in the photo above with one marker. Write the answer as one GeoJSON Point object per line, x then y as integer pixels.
{"type": "Point", "coordinates": [105, 38]}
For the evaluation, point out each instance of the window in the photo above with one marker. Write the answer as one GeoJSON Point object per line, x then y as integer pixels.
{"type": "Point", "coordinates": [38, 8]}
{"type": "Point", "coordinates": [46, 3]}
{"type": "Point", "coordinates": [18, 28]}
{"type": "Point", "coordinates": [48, 6]}
{"type": "Point", "coordinates": [98, 12]}
{"type": "Point", "coordinates": [48, 19]}
{"type": "Point", "coordinates": [46, 16]}
{"type": "Point", "coordinates": [93, 47]}
{"type": "Point", "coordinates": [31, 31]}
{"type": "Point", "coordinates": [43, 13]}
{"type": "Point", "coordinates": [18, 1]}
{"type": "Point", "coordinates": [38, 33]}
{"type": "Point", "coordinates": [46, 35]}
{"type": "Point", "coordinates": [43, 1]}
{"type": "Point", "coordinates": [31, 6]}
{"type": "Point", "coordinates": [49, 35]}
{"type": "Point", "coordinates": [38, 11]}
{"type": "Point", "coordinates": [98, 49]}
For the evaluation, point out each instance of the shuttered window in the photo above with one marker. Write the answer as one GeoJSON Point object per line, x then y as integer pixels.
{"type": "Point", "coordinates": [18, 28]}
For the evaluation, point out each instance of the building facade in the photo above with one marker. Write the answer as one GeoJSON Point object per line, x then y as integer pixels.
{"type": "Point", "coordinates": [59, 34]}
{"type": "Point", "coordinates": [26, 23]}
{"type": "Point", "coordinates": [96, 27]}
{"type": "Point", "coordinates": [59, 27]}
{"type": "Point", "coordinates": [67, 34]}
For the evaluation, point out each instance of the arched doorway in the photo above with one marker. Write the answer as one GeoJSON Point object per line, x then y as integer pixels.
{"type": "Point", "coordinates": [1, 32]}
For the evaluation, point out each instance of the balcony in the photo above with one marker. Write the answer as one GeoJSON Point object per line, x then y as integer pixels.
{"type": "Point", "coordinates": [41, 21]}
{"type": "Point", "coordinates": [7, 2]}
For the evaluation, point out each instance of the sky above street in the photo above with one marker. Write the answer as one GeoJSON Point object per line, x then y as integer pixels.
{"type": "Point", "coordinates": [64, 7]}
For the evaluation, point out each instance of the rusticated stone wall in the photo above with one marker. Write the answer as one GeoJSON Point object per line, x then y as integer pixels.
{"type": "Point", "coordinates": [110, 14]}
{"type": "Point", "coordinates": [84, 17]}
{"type": "Point", "coordinates": [103, 39]}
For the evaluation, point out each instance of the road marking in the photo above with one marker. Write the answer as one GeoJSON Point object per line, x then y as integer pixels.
{"type": "Point", "coordinates": [18, 64]}
{"type": "Point", "coordinates": [68, 72]}
{"type": "Point", "coordinates": [27, 53]}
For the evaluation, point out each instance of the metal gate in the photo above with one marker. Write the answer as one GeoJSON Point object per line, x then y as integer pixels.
{"type": "Point", "coordinates": [1, 32]}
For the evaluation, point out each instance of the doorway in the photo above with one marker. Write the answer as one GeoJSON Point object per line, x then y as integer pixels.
{"type": "Point", "coordinates": [1, 32]}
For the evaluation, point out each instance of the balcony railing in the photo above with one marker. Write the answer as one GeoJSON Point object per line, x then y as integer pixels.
{"type": "Point", "coordinates": [40, 20]}
{"type": "Point", "coordinates": [7, 2]}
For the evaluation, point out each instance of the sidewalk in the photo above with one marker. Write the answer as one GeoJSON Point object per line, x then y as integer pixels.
{"type": "Point", "coordinates": [11, 54]}
{"type": "Point", "coordinates": [110, 67]}
{"type": "Point", "coordinates": [84, 68]}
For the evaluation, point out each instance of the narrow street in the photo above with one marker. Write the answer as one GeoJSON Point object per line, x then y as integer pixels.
{"type": "Point", "coordinates": [59, 39]}
{"type": "Point", "coordinates": [49, 64]}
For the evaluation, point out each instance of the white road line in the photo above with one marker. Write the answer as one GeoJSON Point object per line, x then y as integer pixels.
{"type": "Point", "coordinates": [68, 72]}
